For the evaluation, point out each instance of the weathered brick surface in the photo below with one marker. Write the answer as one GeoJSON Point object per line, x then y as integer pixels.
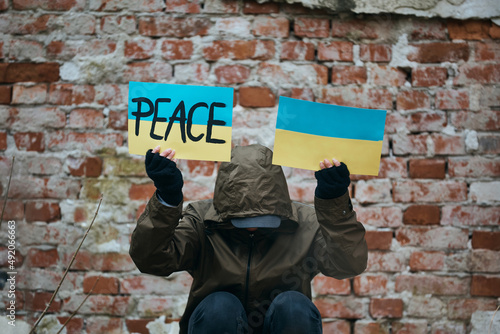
{"type": "Point", "coordinates": [463, 308]}
{"type": "Point", "coordinates": [422, 215]}
{"type": "Point", "coordinates": [427, 169]}
{"type": "Point", "coordinates": [232, 74]}
{"type": "Point", "coordinates": [379, 239]}
{"type": "Point", "coordinates": [324, 285]}
{"type": "Point", "coordinates": [432, 213]}
{"type": "Point", "coordinates": [387, 76]}
{"type": "Point", "coordinates": [375, 52]}
{"type": "Point", "coordinates": [429, 76]}
{"type": "Point", "coordinates": [486, 240]}
{"type": "Point", "coordinates": [341, 51]}
{"type": "Point", "coordinates": [486, 286]}
{"type": "Point", "coordinates": [295, 50]}
{"type": "Point", "coordinates": [239, 50]}
{"type": "Point", "coordinates": [386, 308]}
{"type": "Point", "coordinates": [312, 27]}
{"type": "Point", "coordinates": [158, 26]}
{"type": "Point", "coordinates": [30, 141]}
{"type": "Point", "coordinates": [409, 100]}
{"type": "Point", "coordinates": [101, 285]}
{"type": "Point", "coordinates": [438, 52]}
{"type": "Point", "coordinates": [428, 237]}
{"type": "Point", "coordinates": [369, 285]}
{"type": "Point", "coordinates": [42, 258]}
{"type": "Point", "coordinates": [428, 260]}
{"type": "Point", "coordinates": [271, 27]}
{"type": "Point", "coordinates": [344, 75]}
{"type": "Point", "coordinates": [42, 211]}
{"type": "Point", "coordinates": [437, 285]}
{"type": "Point", "coordinates": [469, 29]}
{"type": "Point", "coordinates": [256, 97]}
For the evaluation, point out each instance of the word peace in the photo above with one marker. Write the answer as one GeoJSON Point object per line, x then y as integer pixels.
{"type": "Point", "coordinates": [178, 115]}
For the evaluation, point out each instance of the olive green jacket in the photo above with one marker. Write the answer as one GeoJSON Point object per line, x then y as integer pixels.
{"type": "Point", "coordinates": [256, 266]}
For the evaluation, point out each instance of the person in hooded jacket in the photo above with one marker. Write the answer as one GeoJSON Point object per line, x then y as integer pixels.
{"type": "Point", "coordinates": [251, 251]}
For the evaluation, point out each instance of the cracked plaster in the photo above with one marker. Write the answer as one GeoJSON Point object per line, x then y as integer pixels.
{"type": "Point", "coordinates": [458, 9]}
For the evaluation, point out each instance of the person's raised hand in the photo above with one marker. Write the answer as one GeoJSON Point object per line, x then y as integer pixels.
{"type": "Point", "coordinates": [332, 179]}
{"type": "Point", "coordinates": [167, 178]}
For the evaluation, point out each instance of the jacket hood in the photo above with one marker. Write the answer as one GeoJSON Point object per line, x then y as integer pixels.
{"type": "Point", "coordinates": [250, 185]}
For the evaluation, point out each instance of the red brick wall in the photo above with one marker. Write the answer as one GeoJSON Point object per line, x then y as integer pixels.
{"type": "Point", "coordinates": [432, 214]}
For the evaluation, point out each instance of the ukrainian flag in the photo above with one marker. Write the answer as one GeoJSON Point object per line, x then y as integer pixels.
{"type": "Point", "coordinates": [309, 132]}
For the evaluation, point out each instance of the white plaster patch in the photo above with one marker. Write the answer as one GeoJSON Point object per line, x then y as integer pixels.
{"type": "Point", "coordinates": [233, 26]}
{"type": "Point", "coordinates": [481, 321]}
{"type": "Point", "coordinates": [449, 130]}
{"type": "Point", "coordinates": [160, 327]}
{"type": "Point", "coordinates": [99, 69]}
{"type": "Point", "coordinates": [109, 247]}
{"type": "Point", "coordinates": [356, 59]}
{"type": "Point", "coordinates": [485, 192]}
{"type": "Point", "coordinates": [49, 325]}
{"type": "Point", "coordinates": [430, 147]}
{"type": "Point", "coordinates": [471, 141]}
{"type": "Point", "coordinates": [475, 97]}
{"type": "Point", "coordinates": [400, 52]}
{"type": "Point", "coordinates": [20, 327]}
{"type": "Point", "coordinates": [70, 72]}
{"type": "Point", "coordinates": [459, 9]}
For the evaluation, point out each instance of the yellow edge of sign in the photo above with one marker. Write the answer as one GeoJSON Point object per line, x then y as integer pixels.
{"type": "Point", "coordinates": [199, 150]}
{"type": "Point", "coordinates": [301, 150]}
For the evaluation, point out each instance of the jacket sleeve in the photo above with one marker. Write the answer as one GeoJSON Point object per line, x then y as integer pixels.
{"type": "Point", "coordinates": [162, 242]}
{"type": "Point", "coordinates": [340, 245]}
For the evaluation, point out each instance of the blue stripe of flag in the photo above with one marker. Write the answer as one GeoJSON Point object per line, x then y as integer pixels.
{"type": "Point", "coordinates": [189, 94]}
{"type": "Point", "coordinates": [330, 120]}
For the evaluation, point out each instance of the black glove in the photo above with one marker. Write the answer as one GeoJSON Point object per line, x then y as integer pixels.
{"type": "Point", "coordinates": [332, 182]}
{"type": "Point", "coordinates": [166, 177]}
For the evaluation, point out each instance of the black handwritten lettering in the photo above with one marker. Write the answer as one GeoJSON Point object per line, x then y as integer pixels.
{"type": "Point", "coordinates": [190, 121]}
{"type": "Point", "coordinates": [211, 122]}
{"type": "Point", "coordinates": [138, 114]}
{"type": "Point", "coordinates": [178, 116]}
{"type": "Point", "coordinates": [157, 119]}
{"type": "Point", "coordinates": [182, 121]}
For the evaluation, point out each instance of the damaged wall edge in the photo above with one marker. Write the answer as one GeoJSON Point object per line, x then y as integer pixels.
{"type": "Point", "coordinates": [457, 9]}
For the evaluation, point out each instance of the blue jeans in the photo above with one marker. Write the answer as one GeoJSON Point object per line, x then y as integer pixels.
{"type": "Point", "coordinates": [290, 312]}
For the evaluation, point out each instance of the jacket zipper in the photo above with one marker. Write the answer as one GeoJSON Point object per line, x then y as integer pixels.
{"type": "Point", "coordinates": [250, 250]}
